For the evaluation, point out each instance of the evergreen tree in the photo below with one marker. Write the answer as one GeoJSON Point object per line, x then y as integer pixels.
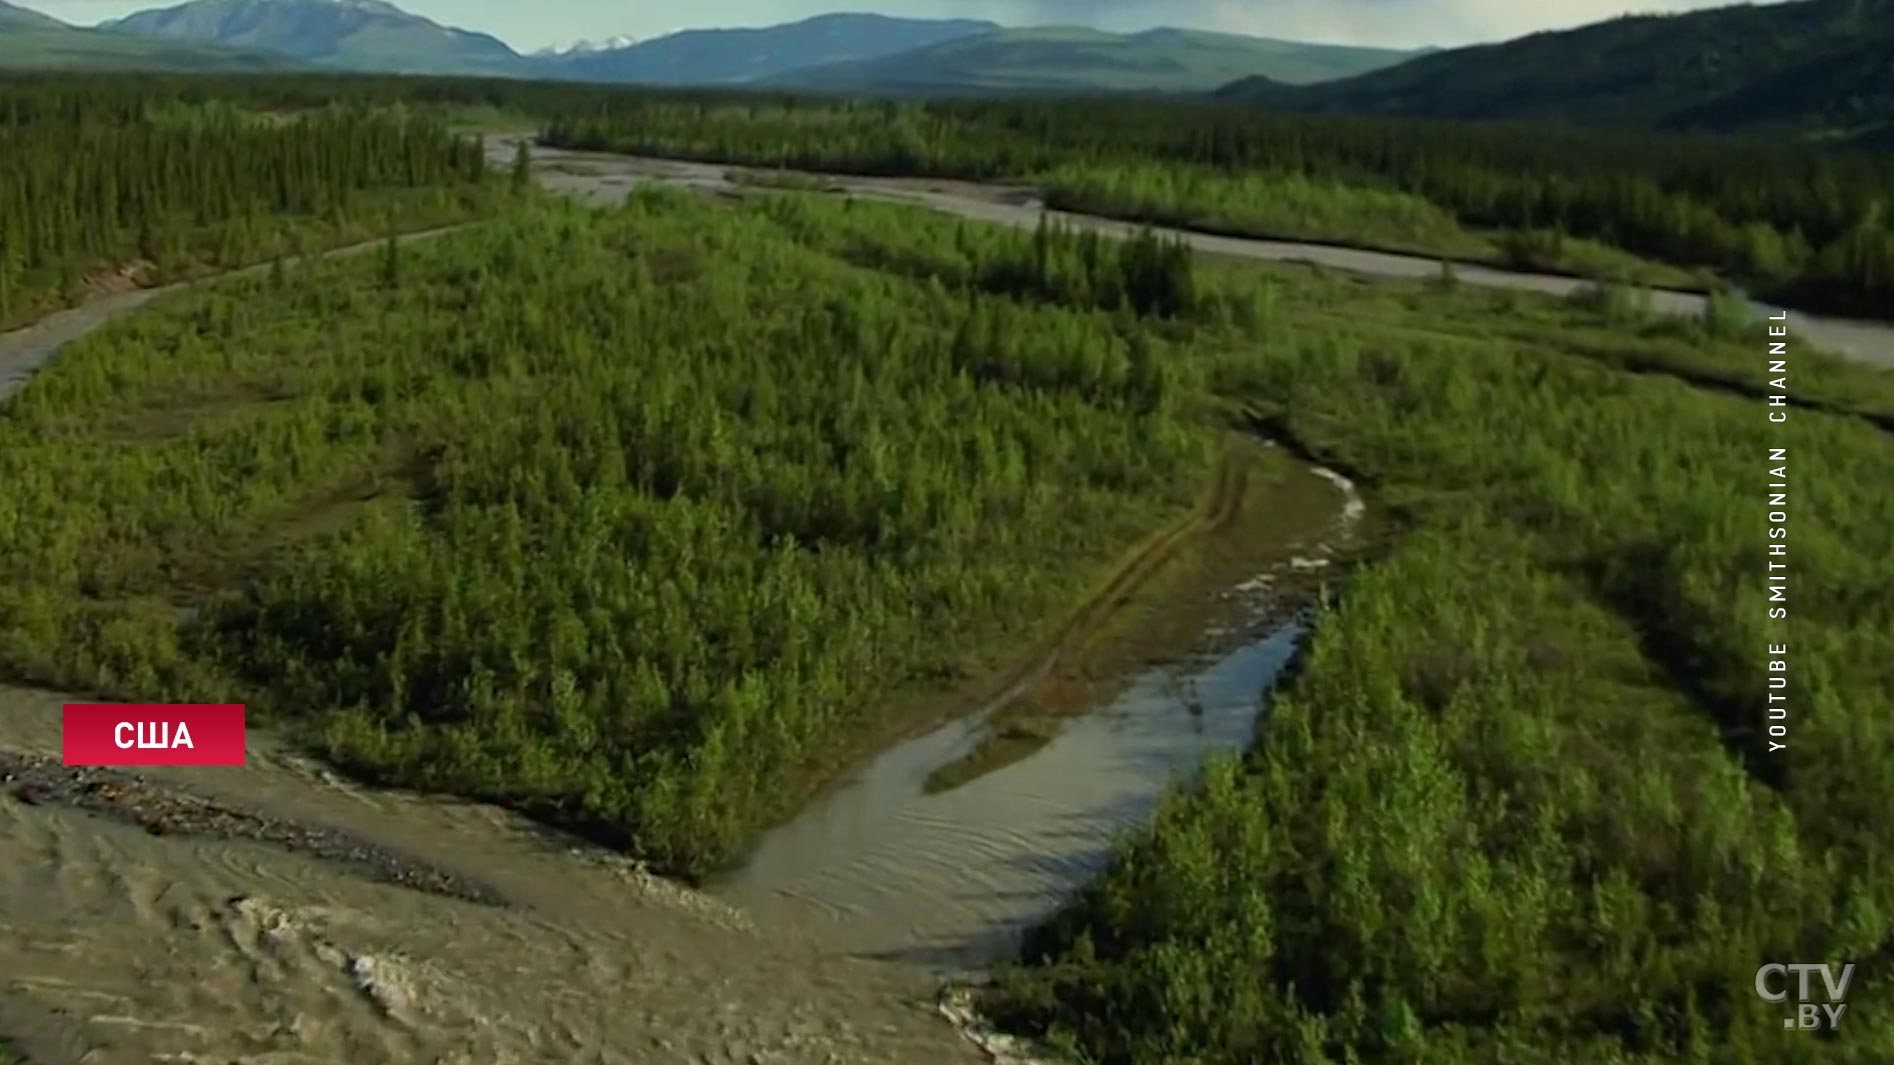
{"type": "Point", "coordinates": [391, 263]}
{"type": "Point", "coordinates": [522, 175]}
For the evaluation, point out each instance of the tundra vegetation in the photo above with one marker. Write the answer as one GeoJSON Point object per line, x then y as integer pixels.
{"type": "Point", "coordinates": [643, 520]}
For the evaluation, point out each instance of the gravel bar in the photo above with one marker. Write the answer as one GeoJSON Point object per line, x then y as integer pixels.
{"type": "Point", "coordinates": [167, 811]}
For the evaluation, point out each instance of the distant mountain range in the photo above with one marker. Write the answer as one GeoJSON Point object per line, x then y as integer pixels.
{"type": "Point", "coordinates": [32, 40]}
{"type": "Point", "coordinates": [1815, 66]}
{"type": "Point", "coordinates": [1061, 59]}
{"type": "Point", "coordinates": [348, 34]}
{"type": "Point", "coordinates": [839, 52]}
{"type": "Point", "coordinates": [736, 56]}
{"type": "Point", "coordinates": [19, 18]}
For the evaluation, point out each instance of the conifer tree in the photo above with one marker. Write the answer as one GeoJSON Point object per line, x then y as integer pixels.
{"type": "Point", "coordinates": [522, 175]}
{"type": "Point", "coordinates": [391, 263]}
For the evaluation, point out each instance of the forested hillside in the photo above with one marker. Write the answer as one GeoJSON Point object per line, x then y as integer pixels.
{"type": "Point", "coordinates": [1808, 67]}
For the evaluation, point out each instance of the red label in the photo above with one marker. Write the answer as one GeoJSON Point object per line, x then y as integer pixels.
{"type": "Point", "coordinates": [121, 734]}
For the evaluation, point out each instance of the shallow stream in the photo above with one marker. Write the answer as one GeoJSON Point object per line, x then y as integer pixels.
{"type": "Point", "coordinates": [948, 881]}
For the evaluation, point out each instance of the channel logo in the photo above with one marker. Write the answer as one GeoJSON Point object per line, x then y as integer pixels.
{"type": "Point", "coordinates": [142, 734]}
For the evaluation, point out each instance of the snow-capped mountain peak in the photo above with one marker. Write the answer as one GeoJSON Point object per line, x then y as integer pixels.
{"type": "Point", "coordinates": [584, 47]}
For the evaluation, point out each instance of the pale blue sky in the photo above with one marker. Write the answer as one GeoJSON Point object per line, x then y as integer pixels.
{"type": "Point", "coordinates": [530, 24]}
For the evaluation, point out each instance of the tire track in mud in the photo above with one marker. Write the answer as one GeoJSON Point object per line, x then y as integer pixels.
{"type": "Point", "coordinates": [1219, 504]}
{"type": "Point", "coordinates": [1162, 667]}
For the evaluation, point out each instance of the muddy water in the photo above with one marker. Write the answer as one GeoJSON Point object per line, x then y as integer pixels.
{"type": "Point", "coordinates": [946, 882]}
{"type": "Point", "coordinates": [117, 946]}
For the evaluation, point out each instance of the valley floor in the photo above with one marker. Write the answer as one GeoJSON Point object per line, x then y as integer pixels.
{"type": "Point", "coordinates": [1562, 527]}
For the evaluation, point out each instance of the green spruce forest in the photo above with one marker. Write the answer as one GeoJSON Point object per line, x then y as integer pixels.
{"type": "Point", "coordinates": [1797, 222]}
{"type": "Point", "coordinates": [646, 520]}
{"type": "Point", "coordinates": [113, 185]}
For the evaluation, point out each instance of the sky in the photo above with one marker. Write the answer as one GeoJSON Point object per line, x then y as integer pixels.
{"type": "Point", "coordinates": [1392, 23]}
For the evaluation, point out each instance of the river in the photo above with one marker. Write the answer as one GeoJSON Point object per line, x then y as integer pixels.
{"type": "Point", "coordinates": [602, 178]}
